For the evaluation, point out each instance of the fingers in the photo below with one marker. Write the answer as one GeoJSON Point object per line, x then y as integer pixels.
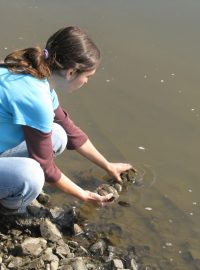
{"type": "Point", "coordinates": [106, 200]}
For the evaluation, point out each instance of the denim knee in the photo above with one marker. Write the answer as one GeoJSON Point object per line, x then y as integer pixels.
{"type": "Point", "coordinates": [59, 139]}
{"type": "Point", "coordinates": [21, 181]}
{"type": "Point", "coordinates": [34, 176]}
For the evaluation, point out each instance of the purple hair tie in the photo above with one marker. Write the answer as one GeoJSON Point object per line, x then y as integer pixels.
{"type": "Point", "coordinates": [46, 54]}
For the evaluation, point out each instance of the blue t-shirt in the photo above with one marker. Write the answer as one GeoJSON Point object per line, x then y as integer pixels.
{"type": "Point", "coordinates": [24, 100]}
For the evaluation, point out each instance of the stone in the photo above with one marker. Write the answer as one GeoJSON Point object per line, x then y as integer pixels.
{"type": "Point", "coordinates": [47, 267]}
{"type": "Point", "coordinates": [77, 229]}
{"type": "Point", "coordinates": [16, 263]}
{"type": "Point", "coordinates": [36, 264]}
{"type": "Point", "coordinates": [33, 246]}
{"type": "Point", "coordinates": [134, 265]}
{"type": "Point", "coordinates": [54, 265]}
{"type": "Point", "coordinates": [49, 231]}
{"type": "Point", "coordinates": [37, 210]}
{"type": "Point", "coordinates": [49, 256]}
{"type": "Point", "coordinates": [66, 267]}
{"type": "Point", "coordinates": [56, 212]}
{"type": "Point", "coordinates": [43, 198]}
{"type": "Point", "coordinates": [117, 263]}
{"type": "Point", "coordinates": [78, 264]}
{"type": "Point", "coordinates": [98, 248]}
{"type": "Point", "coordinates": [62, 251]}
{"type": "Point", "coordinates": [3, 267]}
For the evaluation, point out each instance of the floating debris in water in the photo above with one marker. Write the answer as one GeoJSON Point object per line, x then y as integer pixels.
{"type": "Point", "coordinates": [162, 81]}
{"type": "Point", "coordinates": [191, 214]}
{"type": "Point", "coordinates": [179, 91]}
{"type": "Point", "coordinates": [192, 109]}
{"type": "Point", "coordinates": [148, 208]}
{"type": "Point", "coordinates": [168, 244]}
{"type": "Point", "coordinates": [194, 203]}
{"type": "Point", "coordinates": [141, 148]}
{"type": "Point", "coordinates": [172, 74]}
{"type": "Point", "coordinates": [170, 221]}
{"type": "Point", "coordinates": [190, 190]}
{"type": "Point", "coordinates": [5, 48]}
{"type": "Point", "coordinates": [179, 251]}
{"type": "Point", "coordinates": [145, 76]}
{"type": "Point", "coordinates": [107, 80]}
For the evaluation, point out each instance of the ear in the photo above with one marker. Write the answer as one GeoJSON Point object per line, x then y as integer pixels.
{"type": "Point", "coordinates": [70, 74]}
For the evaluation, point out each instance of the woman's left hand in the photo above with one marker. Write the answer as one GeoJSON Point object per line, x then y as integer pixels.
{"type": "Point", "coordinates": [115, 169]}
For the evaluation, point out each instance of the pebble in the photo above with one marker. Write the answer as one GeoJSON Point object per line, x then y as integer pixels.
{"type": "Point", "coordinates": [168, 244]}
{"type": "Point", "coordinates": [141, 148]}
{"type": "Point", "coordinates": [117, 263]}
{"type": "Point", "coordinates": [49, 231]}
{"type": "Point", "coordinates": [148, 208]}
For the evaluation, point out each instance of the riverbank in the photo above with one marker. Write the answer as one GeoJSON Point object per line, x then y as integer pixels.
{"type": "Point", "coordinates": [55, 238]}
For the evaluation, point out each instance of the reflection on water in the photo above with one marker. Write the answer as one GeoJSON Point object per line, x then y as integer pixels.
{"type": "Point", "coordinates": [142, 106]}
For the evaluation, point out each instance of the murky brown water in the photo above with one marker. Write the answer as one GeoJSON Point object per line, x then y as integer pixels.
{"type": "Point", "coordinates": [142, 106]}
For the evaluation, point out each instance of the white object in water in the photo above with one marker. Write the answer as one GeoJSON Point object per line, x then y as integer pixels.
{"type": "Point", "coordinates": [141, 148]}
{"type": "Point", "coordinates": [148, 208]}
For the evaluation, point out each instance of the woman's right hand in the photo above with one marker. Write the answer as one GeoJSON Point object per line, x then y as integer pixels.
{"type": "Point", "coordinates": [97, 199]}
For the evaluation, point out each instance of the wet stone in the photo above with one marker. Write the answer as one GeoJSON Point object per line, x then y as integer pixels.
{"type": "Point", "coordinates": [43, 198]}
{"type": "Point", "coordinates": [37, 210]}
{"type": "Point", "coordinates": [49, 231]}
{"type": "Point", "coordinates": [98, 248]}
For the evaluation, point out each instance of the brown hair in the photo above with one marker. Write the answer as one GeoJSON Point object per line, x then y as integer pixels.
{"type": "Point", "coordinates": [69, 47]}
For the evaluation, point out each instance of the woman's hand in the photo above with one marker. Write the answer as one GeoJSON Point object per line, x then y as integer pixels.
{"type": "Point", "coordinates": [115, 169]}
{"type": "Point", "coordinates": [97, 199]}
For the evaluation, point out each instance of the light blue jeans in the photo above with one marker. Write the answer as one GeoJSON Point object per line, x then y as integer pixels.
{"type": "Point", "coordinates": [22, 178]}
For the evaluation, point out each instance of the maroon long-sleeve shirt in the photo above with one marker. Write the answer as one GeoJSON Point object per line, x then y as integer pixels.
{"type": "Point", "coordinates": [40, 146]}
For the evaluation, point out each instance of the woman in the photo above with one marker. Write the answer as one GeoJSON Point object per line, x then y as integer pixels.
{"type": "Point", "coordinates": [35, 128]}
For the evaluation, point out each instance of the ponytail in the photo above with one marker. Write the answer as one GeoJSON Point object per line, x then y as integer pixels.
{"type": "Point", "coordinates": [28, 61]}
{"type": "Point", "coordinates": [69, 47]}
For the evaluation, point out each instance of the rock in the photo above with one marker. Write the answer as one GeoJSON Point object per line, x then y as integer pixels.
{"type": "Point", "coordinates": [49, 256]}
{"type": "Point", "coordinates": [79, 264]}
{"type": "Point", "coordinates": [105, 189]}
{"type": "Point", "coordinates": [77, 229]}
{"type": "Point", "coordinates": [134, 265]}
{"type": "Point", "coordinates": [3, 267]}
{"type": "Point", "coordinates": [66, 267]}
{"type": "Point", "coordinates": [56, 212]}
{"type": "Point", "coordinates": [47, 267]}
{"type": "Point", "coordinates": [43, 198]}
{"type": "Point", "coordinates": [33, 246]}
{"type": "Point", "coordinates": [15, 263]}
{"type": "Point", "coordinates": [49, 231]}
{"type": "Point", "coordinates": [117, 263]}
{"type": "Point", "coordinates": [62, 251]}
{"type": "Point", "coordinates": [54, 265]}
{"type": "Point", "coordinates": [36, 264]}
{"type": "Point", "coordinates": [98, 248]}
{"type": "Point", "coordinates": [37, 210]}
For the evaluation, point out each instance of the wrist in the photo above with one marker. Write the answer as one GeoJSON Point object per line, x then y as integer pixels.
{"type": "Point", "coordinates": [108, 167]}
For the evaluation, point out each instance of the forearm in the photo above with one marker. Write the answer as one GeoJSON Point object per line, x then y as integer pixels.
{"type": "Point", "coordinates": [89, 151]}
{"type": "Point", "coordinates": [68, 186]}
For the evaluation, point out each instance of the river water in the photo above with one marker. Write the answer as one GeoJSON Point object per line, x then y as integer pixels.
{"type": "Point", "coordinates": [142, 107]}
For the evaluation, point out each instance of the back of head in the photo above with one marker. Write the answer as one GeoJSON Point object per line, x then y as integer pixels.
{"type": "Point", "coordinates": [69, 47]}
